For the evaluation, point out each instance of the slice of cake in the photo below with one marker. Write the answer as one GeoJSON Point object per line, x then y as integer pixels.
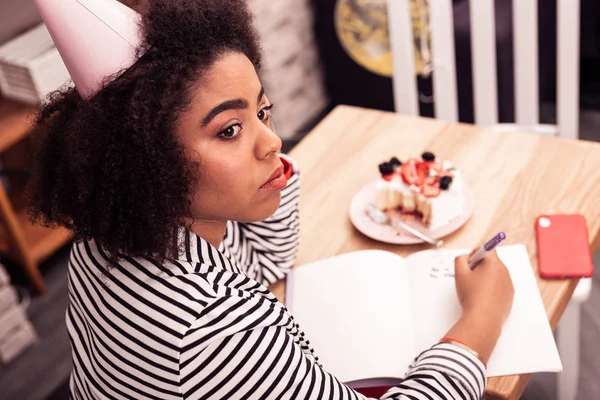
{"type": "Point", "coordinates": [431, 189]}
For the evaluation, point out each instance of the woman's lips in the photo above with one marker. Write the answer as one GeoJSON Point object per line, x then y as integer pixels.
{"type": "Point", "coordinates": [277, 181]}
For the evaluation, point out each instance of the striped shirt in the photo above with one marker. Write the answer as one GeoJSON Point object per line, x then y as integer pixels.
{"type": "Point", "coordinates": [205, 326]}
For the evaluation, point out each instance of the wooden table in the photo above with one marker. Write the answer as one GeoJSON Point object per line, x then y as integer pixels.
{"type": "Point", "coordinates": [515, 177]}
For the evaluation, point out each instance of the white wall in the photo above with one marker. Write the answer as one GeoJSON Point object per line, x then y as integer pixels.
{"type": "Point", "coordinates": [16, 16]}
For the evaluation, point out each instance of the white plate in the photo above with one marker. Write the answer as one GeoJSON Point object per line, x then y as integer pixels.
{"type": "Point", "coordinates": [386, 233]}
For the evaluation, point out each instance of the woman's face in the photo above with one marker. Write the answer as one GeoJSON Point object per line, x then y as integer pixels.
{"type": "Point", "coordinates": [227, 131]}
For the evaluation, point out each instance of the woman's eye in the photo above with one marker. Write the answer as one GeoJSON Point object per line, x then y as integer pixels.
{"type": "Point", "coordinates": [231, 132]}
{"type": "Point", "coordinates": [265, 113]}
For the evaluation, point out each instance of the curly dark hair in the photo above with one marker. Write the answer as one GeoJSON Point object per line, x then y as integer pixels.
{"type": "Point", "coordinates": [110, 168]}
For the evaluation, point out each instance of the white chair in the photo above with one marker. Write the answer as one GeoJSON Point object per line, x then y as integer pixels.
{"type": "Point", "coordinates": [568, 337]}
{"type": "Point", "coordinates": [483, 46]}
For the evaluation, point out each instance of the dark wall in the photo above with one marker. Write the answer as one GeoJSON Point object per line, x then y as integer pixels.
{"type": "Point", "coordinates": [349, 83]}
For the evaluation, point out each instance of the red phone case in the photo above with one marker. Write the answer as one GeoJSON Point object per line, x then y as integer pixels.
{"type": "Point", "coordinates": [563, 247]}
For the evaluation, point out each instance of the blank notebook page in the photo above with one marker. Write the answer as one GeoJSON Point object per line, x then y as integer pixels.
{"type": "Point", "coordinates": [526, 344]}
{"type": "Point", "coordinates": [325, 311]}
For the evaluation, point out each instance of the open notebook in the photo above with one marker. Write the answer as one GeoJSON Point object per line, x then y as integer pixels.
{"type": "Point", "coordinates": [368, 314]}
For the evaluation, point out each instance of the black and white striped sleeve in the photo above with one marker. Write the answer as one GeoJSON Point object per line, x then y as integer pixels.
{"type": "Point", "coordinates": [237, 350]}
{"type": "Point", "coordinates": [446, 371]}
{"type": "Point", "coordinates": [270, 245]}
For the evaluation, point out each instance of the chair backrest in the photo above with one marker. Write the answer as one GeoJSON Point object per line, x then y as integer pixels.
{"type": "Point", "coordinates": [483, 48]}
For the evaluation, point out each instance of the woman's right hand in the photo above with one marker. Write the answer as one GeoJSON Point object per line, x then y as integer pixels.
{"type": "Point", "coordinates": [486, 290]}
{"type": "Point", "coordinates": [486, 295]}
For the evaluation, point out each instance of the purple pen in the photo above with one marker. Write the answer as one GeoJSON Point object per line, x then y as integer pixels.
{"type": "Point", "coordinates": [485, 249]}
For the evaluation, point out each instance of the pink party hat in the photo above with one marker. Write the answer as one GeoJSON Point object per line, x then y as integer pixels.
{"type": "Point", "coordinates": [95, 38]}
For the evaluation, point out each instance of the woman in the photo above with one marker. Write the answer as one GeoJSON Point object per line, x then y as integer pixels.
{"type": "Point", "coordinates": [170, 177]}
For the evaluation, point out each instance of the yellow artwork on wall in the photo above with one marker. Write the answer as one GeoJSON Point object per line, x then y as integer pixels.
{"type": "Point", "coordinates": [362, 28]}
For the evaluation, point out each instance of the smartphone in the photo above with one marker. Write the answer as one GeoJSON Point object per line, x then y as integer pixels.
{"type": "Point", "coordinates": [563, 247]}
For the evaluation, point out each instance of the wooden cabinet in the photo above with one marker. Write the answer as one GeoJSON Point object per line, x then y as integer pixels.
{"type": "Point", "coordinates": [21, 241]}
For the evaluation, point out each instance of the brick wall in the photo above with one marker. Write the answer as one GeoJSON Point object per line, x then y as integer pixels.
{"type": "Point", "coordinates": [292, 73]}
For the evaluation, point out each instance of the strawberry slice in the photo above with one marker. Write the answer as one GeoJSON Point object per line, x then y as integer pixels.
{"type": "Point", "coordinates": [409, 173]}
{"type": "Point", "coordinates": [431, 180]}
{"type": "Point", "coordinates": [388, 177]}
{"type": "Point", "coordinates": [422, 170]}
{"type": "Point", "coordinates": [430, 190]}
